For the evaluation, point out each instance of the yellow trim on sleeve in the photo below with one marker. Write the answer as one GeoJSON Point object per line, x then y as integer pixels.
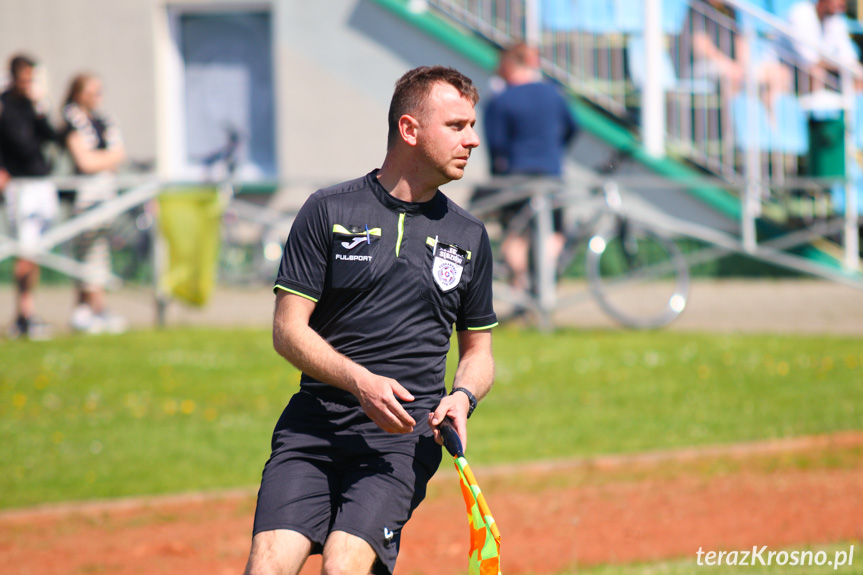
{"type": "Point", "coordinates": [295, 292]}
{"type": "Point", "coordinates": [483, 327]}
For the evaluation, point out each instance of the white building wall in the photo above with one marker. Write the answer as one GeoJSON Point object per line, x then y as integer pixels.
{"type": "Point", "coordinates": [336, 64]}
{"type": "Point", "coordinates": [111, 38]}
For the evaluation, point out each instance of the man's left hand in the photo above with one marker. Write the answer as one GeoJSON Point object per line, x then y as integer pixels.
{"type": "Point", "coordinates": [455, 407]}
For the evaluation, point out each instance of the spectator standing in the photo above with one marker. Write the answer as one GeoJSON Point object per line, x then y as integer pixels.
{"type": "Point", "coordinates": [31, 197]}
{"type": "Point", "coordinates": [528, 127]}
{"type": "Point", "coordinates": [96, 146]}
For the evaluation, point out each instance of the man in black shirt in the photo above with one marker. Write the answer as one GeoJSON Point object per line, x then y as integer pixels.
{"type": "Point", "coordinates": [31, 202]}
{"type": "Point", "coordinates": [375, 273]}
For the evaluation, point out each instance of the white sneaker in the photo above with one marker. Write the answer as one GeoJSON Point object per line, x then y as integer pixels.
{"type": "Point", "coordinates": [82, 318]}
{"type": "Point", "coordinates": [110, 323]}
{"type": "Point", "coordinates": [38, 330]}
{"type": "Point", "coordinates": [33, 329]}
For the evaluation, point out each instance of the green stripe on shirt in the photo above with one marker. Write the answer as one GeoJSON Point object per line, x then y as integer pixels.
{"type": "Point", "coordinates": [308, 297]}
{"type": "Point", "coordinates": [483, 327]}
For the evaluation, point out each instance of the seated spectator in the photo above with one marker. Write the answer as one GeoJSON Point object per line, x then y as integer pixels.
{"type": "Point", "coordinates": [96, 147]}
{"type": "Point", "coordinates": [824, 25]}
{"type": "Point", "coordinates": [713, 48]}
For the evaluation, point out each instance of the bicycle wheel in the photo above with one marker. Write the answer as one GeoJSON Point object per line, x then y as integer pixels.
{"type": "Point", "coordinates": [638, 277]}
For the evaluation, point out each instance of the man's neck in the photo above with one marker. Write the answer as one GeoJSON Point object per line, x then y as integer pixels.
{"type": "Point", "coordinates": [524, 76]}
{"type": "Point", "coordinates": [405, 183]}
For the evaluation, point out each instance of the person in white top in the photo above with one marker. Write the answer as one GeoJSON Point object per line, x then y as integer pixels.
{"type": "Point", "coordinates": [824, 25]}
{"type": "Point", "coordinates": [97, 151]}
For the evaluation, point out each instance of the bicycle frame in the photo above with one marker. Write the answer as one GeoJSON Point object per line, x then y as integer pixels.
{"type": "Point", "coordinates": [599, 214]}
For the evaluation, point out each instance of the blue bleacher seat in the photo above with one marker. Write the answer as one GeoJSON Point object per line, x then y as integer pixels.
{"type": "Point", "coordinates": [608, 16]}
{"type": "Point", "coordinates": [670, 82]}
{"type": "Point", "coordinates": [744, 135]}
{"type": "Point", "coordinates": [787, 133]}
{"type": "Point", "coordinates": [780, 8]}
{"type": "Point", "coordinates": [858, 122]}
{"type": "Point", "coordinates": [790, 132]}
{"type": "Point", "coordinates": [745, 19]}
{"type": "Point", "coordinates": [636, 63]}
{"type": "Point", "coordinates": [594, 16]}
{"type": "Point", "coordinates": [837, 191]}
{"type": "Point", "coordinates": [559, 15]}
{"type": "Point", "coordinates": [629, 15]}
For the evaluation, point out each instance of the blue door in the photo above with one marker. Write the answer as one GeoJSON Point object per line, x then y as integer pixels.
{"type": "Point", "coordinates": [228, 79]}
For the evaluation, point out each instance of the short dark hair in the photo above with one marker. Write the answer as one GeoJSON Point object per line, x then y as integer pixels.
{"type": "Point", "coordinates": [18, 63]}
{"type": "Point", "coordinates": [520, 54]}
{"type": "Point", "coordinates": [413, 89]}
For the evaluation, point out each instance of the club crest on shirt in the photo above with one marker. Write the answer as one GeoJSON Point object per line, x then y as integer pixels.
{"type": "Point", "coordinates": [448, 266]}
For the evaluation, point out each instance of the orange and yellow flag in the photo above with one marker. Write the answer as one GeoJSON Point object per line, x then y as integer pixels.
{"type": "Point", "coordinates": [484, 554]}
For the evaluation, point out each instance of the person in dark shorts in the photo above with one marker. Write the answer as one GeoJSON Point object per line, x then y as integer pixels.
{"type": "Point", "coordinates": [375, 273]}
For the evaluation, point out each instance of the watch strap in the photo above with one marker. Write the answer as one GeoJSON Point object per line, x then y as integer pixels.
{"type": "Point", "coordinates": [470, 398]}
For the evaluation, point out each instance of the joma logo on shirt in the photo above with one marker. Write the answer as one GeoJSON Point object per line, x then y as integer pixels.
{"type": "Point", "coordinates": [343, 257]}
{"type": "Point", "coordinates": [357, 241]}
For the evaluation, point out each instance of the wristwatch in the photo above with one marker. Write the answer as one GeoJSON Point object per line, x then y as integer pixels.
{"type": "Point", "coordinates": [470, 398]}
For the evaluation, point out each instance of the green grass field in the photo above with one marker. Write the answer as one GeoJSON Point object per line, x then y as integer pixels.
{"type": "Point", "coordinates": [178, 410]}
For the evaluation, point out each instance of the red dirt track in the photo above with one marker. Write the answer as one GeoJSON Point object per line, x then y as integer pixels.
{"type": "Point", "coordinates": [553, 518]}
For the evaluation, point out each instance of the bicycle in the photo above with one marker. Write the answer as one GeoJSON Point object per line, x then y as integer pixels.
{"type": "Point", "coordinates": [252, 236]}
{"type": "Point", "coordinates": [636, 274]}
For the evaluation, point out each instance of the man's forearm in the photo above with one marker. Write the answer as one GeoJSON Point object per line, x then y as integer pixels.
{"type": "Point", "coordinates": [306, 350]}
{"type": "Point", "coordinates": [476, 373]}
{"type": "Point", "coordinates": [301, 345]}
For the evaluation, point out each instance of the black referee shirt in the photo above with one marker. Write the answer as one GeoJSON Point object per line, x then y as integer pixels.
{"type": "Point", "coordinates": [390, 279]}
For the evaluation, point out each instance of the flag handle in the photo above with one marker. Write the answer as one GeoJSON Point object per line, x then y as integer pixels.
{"type": "Point", "coordinates": [451, 440]}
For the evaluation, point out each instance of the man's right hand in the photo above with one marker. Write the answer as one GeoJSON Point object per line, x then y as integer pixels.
{"type": "Point", "coordinates": [379, 398]}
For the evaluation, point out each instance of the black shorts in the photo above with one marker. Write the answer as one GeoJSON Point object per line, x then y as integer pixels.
{"type": "Point", "coordinates": [508, 212]}
{"type": "Point", "coordinates": [333, 469]}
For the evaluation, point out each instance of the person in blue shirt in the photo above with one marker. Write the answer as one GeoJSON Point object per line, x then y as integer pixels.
{"type": "Point", "coordinates": [528, 127]}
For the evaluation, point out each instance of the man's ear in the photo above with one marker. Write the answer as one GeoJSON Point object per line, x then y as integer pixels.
{"type": "Point", "coordinates": [408, 129]}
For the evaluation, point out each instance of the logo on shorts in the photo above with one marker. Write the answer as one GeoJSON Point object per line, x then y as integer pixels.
{"type": "Point", "coordinates": [448, 266]}
{"type": "Point", "coordinates": [388, 535]}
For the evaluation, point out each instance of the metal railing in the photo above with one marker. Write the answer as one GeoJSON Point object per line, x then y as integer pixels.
{"type": "Point", "coordinates": [593, 48]}
{"type": "Point", "coordinates": [253, 230]}
{"type": "Point", "coordinates": [740, 109]}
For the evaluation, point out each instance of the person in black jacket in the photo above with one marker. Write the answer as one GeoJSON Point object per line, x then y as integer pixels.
{"type": "Point", "coordinates": [31, 197]}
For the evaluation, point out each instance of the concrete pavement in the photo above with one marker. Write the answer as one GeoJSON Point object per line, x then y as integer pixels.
{"type": "Point", "coordinates": [726, 306]}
